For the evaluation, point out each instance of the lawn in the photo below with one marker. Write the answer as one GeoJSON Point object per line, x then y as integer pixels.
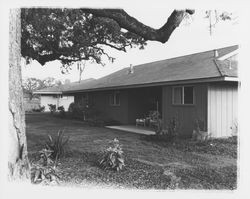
{"type": "Point", "coordinates": [150, 163]}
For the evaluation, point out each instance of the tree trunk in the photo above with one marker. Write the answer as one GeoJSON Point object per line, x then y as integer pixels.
{"type": "Point", "coordinates": [18, 162]}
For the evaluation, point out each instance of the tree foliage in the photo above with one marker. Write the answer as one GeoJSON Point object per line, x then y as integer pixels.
{"type": "Point", "coordinates": [215, 16]}
{"type": "Point", "coordinates": [71, 35]}
{"type": "Point", "coordinates": [49, 82]}
{"type": "Point", "coordinates": [32, 84]}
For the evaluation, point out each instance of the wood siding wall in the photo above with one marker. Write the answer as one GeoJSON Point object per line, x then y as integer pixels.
{"type": "Point", "coordinates": [186, 114]}
{"type": "Point", "coordinates": [134, 103]}
{"type": "Point", "coordinates": [222, 109]}
{"type": "Point", "coordinates": [101, 101]}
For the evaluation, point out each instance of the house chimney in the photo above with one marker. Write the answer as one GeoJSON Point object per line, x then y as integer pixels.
{"type": "Point", "coordinates": [216, 54]}
{"type": "Point", "coordinates": [131, 69]}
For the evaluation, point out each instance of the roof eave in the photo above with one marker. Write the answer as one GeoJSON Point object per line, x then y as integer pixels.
{"type": "Point", "coordinates": [190, 81]}
{"type": "Point", "coordinates": [231, 79]}
{"type": "Point", "coordinates": [226, 56]}
{"type": "Point", "coordinates": [47, 92]}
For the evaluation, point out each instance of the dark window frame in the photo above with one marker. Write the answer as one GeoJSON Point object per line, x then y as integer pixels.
{"type": "Point", "coordinates": [113, 99]}
{"type": "Point", "coordinates": [182, 95]}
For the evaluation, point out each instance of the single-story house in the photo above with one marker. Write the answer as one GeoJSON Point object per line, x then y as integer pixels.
{"type": "Point", "coordinates": [55, 95]}
{"type": "Point", "coordinates": [201, 86]}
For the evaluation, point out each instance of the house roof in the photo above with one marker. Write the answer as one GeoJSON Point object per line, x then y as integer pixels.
{"type": "Point", "coordinates": [61, 88]}
{"type": "Point", "coordinates": [198, 66]}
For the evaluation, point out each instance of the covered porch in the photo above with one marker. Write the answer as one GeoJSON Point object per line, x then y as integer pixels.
{"type": "Point", "coordinates": [143, 104]}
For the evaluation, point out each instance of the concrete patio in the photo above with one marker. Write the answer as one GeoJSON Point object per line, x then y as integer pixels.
{"type": "Point", "coordinates": [133, 129]}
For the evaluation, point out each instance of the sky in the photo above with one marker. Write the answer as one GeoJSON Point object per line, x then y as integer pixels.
{"type": "Point", "coordinates": [190, 37]}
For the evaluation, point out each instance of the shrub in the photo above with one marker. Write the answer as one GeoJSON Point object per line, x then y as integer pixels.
{"type": "Point", "coordinates": [35, 110]}
{"type": "Point", "coordinates": [234, 128]}
{"type": "Point", "coordinates": [113, 157]}
{"type": "Point", "coordinates": [76, 111]}
{"type": "Point", "coordinates": [70, 109]}
{"type": "Point", "coordinates": [61, 111]}
{"type": "Point", "coordinates": [57, 145]}
{"type": "Point", "coordinates": [52, 108]}
{"type": "Point", "coordinates": [171, 132]}
{"type": "Point", "coordinates": [173, 127]}
{"type": "Point", "coordinates": [158, 127]}
{"type": "Point", "coordinates": [45, 170]}
{"type": "Point", "coordinates": [199, 132]}
{"type": "Point", "coordinates": [40, 109]}
{"type": "Point", "coordinates": [199, 125]}
{"type": "Point", "coordinates": [91, 113]}
{"type": "Point", "coordinates": [45, 157]}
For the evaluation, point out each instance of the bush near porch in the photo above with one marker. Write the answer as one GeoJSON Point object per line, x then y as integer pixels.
{"type": "Point", "coordinates": [89, 115]}
{"type": "Point", "coordinates": [149, 164]}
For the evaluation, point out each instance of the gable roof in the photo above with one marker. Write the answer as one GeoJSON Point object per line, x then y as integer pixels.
{"type": "Point", "coordinates": [189, 67]}
{"type": "Point", "coordinates": [227, 69]}
{"type": "Point", "coordinates": [61, 88]}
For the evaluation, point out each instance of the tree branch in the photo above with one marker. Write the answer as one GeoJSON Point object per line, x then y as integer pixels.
{"type": "Point", "coordinates": [112, 46]}
{"type": "Point", "coordinates": [104, 53]}
{"type": "Point", "coordinates": [133, 25]}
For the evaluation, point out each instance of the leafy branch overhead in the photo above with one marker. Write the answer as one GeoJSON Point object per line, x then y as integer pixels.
{"type": "Point", "coordinates": [71, 35]}
{"type": "Point", "coordinates": [133, 25]}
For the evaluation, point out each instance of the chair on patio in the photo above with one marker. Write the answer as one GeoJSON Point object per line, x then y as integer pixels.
{"type": "Point", "coordinates": [154, 117]}
{"type": "Point", "coordinates": [151, 120]}
{"type": "Point", "coordinates": [139, 122]}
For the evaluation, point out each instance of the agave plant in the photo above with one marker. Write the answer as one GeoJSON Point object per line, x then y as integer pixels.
{"type": "Point", "coordinates": [57, 145]}
{"type": "Point", "coordinates": [45, 157]}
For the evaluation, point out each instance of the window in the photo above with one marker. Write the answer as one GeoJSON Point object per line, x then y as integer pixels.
{"type": "Point", "coordinates": [188, 95]}
{"type": "Point", "coordinates": [115, 99]}
{"type": "Point", "coordinates": [82, 99]}
{"type": "Point", "coordinates": [183, 95]}
{"type": "Point", "coordinates": [177, 95]}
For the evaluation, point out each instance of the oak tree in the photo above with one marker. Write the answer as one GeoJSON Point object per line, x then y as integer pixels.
{"type": "Point", "coordinates": [68, 35]}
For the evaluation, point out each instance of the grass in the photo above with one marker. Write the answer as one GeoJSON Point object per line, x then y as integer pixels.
{"type": "Point", "coordinates": [150, 163]}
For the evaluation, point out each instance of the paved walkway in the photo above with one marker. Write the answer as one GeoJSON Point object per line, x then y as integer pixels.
{"type": "Point", "coordinates": [133, 129]}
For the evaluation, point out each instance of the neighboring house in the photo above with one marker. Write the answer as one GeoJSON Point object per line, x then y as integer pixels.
{"type": "Point", "coordinates": [55, 95]}
{"type": "Point", "coordinates": [200, 86]}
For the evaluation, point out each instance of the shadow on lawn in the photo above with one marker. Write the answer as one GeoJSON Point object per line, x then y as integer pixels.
{"type": "Point", "coordinates": [220, 146]}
